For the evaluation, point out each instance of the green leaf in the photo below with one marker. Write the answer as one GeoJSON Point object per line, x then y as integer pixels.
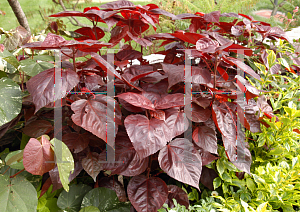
{"type": "Point", "coordinates": [64, 160]}
{"type": "Point", "coordinates": [17, 194]}
{"type": "Point", "coordinates": [10, 58]}
{"type": "Point", "coordinates": [217, 182]}
{"type": "Point", "coordinates": [262, 207]}
{"type": "Point", "coordinates": [10, 100]}
{"type": "Point", "coordinates": [261, 67]}
{"type": "Point", "coordinates": [44, 58]}
{"type": "Point", "coordinates": [71, 201]}
{"type": "Point", "coordinates": [289, 15]}
{"type": "Point", "coordinates": [220, 166]}
{"type": "Point", "coordinates": [283, 62]}
{"type": "Point", "coordinates": [226, 177]}
{"type": "Point", "coordinates": [90, 209]}
{"type": "Point", "coordinates": [250, 184]}
{"type": "Point", "coordinates": [105, 200]}
{"type": "Point", "coordinates": [2, 74]}
{"type": "Point", "coordinates": [15, 159]}
{"type": "Point", "coordinates": [271, 58]}
{"type": "Point", "coordinates": [32, 68]}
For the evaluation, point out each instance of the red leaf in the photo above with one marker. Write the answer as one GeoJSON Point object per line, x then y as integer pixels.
{"type": "Point", "coordinates": [176, 121]}
{"type": "Point", "coordinates": [207, 177]}
{"type": "Point", "coordinates": [170, 100]}
{"type": "Point", "coordinates": [92, 81]}
{"type": "Point", "coordinates": [128, 162]}
{"type": "Point", "coordinates": [175, 73]}
{"type": "Point", "coordinates": [188, 36]}
{"type": "Point", "coordinates": [147, 194]}
{"type": "Point", "coordinates": [200, 75]}
{"type": "Point", "coordinates": [75, 142]}
{"type": "Point", "coordinates": [41, 86]}
{"type": "Point", "coordinates": [158, 114]}
{"type": "Point", "coordinates": [174, 192]}
{"type": "Point", "coordinates": [89, 33]}
{"type": "Point", "coordinates": [206, 139]}
{"type": "Point", "coordinates": [223, 73]}
{"type": "Point", "coordinates": [147, 136]}
{"type": "Point", "coordinates": [199, 114]}
{"type": "Point", "coordinates": [206, 157]}
{"type": "Point", "coordinates": [246, 87]}
{"type": "Point", "coordinates": [38, 157]}
{"type": "Point", "coordinates": [142, 41]}
{"type": "Point", "coordinates": [181, 161]}
{"type": "Point", "coordinates": [118, 33]}
{"type": "Point", "coordinates": [37, 128]}
{"type": "Point", "coordinates": [137, 100]}
{"type": "Point", "coordinates": [242, 66]}
{"type": "Point", "coordinates": [236, 48]}
{"type": "Point", "coordinates": [87, 45]}
{"type": "Point", "coordinates": [206, 45]}
{"type": "Point", "coordinates": [212, 17]}
{"type": "Point", "coordinates": [115, 185]}
{"type": "Point", "coordinates": [45, 186]}
{"type": "Point", "coordinates": [52, 41]}
{"type": "Point", "coordinates": [128, 54]}
{"type": "Point", "coordinates": [91, 165]}
{"type": "Point", "coordinates": [91, 114]}
{"type": "Point", "coordinates": [121, 4]}
{"type": "Point", "coordinates": [54, 175]}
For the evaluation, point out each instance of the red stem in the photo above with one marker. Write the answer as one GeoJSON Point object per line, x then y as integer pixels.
{"type": "Point", "coordinates": [17, 173]}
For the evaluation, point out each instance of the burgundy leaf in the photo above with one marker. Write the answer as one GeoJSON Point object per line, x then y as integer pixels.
{"type": "Point", "coordinates": [45, 186]}
{"type": "Point", "coordinates": [147, 136]}
{"type": "Point", "coordinates": [115, 185]}
{"type": "Point", "coordinates": [207, 177]}
{"type": "Point", "coordinates": [176, 122]}
{"type": "Point", "coordinates": [128, 162]}
{"type": "Point", "coordinates": [203, 102]}
{"type": "Point", "coordinates": [38, 156]}
{"type": "Point", "coordinates": [188, 36]}
{"type": "Point", "coordinates": [158, 114]}
{"type": "Point", "coordinates": [130, 107]}
{"type": "Point", "coordinates": [160, 87]}
{"type": "Point", "coordinates": [249, 115]}
{"type": "Point", "coordinates": [212, 17]}
{"type": "Point", "coordinates": [239, 49]}
{"type": "Point", "coordinates": [92, 81]}
{"type": "Point", "coordinates": [263, 104]}
{"type": "Point", "coordinates": [142, 41]}
{"type": "Point", "coordinates": [206, 45]}
{"type": "Point", "coordinates": [174, 192]}
{"type": "Point", "coordinates": [175, 73]}
{"type": "Point", "coordinates": [91, 115]}
{"type": "Point", "coordinates": [68, 13]}
{"type": "Point", "coordinates": [128, 54]}
{"type": "Point", "coordinates": [121, 4]}
{"type": "Point", "coordinates": [41, 86]}
{"type": "Point", "coordinates": [246, 87]}
{"type": "Point", "coordinates": [77, 169]}
{"type": "Point", "coordinates": [89, 33]}
{"type": "Point", "coordinates": [147, 194]}
{"type": "Point", "coordinates": [75, 142]}
{"type": "Point", "coordinates": [91, 165]}
{"type": "Point", "coordinates": [86, 45]}
{"type": "Point", "coordinates": [105, 65]}
{"type": "Point", "coordinates": [206, 139]}
{"type": "Point", "coordinates": [137, 100]}
{"type": "Point", "coordinates": [54, 175]}
{"type": "Point", "coordinates": [118, 33]}
{"type": "Point", "coordinates": [170, 100]}
{"type": "Point", "coordinates": [199, 114]}
{"type": "Point", "coordinates": [223, 73]}
{"type": "Point", "coordinates": [51, 41]}
{"type": "Point", "coordinates": [242, 66]}
{"type": "Point", "coordinates": [37, 128]}
{"type": "Point", "coordinates": [200, 75]}
{"type": "Point", "coordinates": [206, 157]}
{"type": "Point", "coordinates": [181, 161]}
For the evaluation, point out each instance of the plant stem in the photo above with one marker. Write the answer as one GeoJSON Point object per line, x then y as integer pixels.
{"type": "Point", "coordinates": [6, 170]}
{"type": "Point", "coordinates": [17, 173]}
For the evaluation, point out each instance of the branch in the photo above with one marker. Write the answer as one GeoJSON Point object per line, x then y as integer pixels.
{"type": "Point", "coordinates": [270, 1]}
{"type": "Point", "coordinates": [17, 9]}
{"type": "Point", "coordinates": [282, 3]}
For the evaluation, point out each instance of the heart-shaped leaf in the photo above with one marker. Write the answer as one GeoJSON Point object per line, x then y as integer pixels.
{"type": "Point", "coordinates": [181, 161]}
{"type": "Point", "coordinates": [207, 45]}
{"type": "Point", "coordinates": [71, 201]}
{"type": "Point", "coordinates": [91, 114]}
{"type": "Point", "coordinates": [17, 194]}
{"type": "Point", "coordinates": [206, 139]}
{"type": "Point", "coordinates": [170, 100]}
{"type": "Point", "coordinates": [91, 165]}
{"type": "Point", "coordinates": [137, 100]}
{"type": "Point", "coordinates": [128, 162]}
{"type": "Point", "coordinates": [199, 114]}
{"type": "Point", "coordinates": [38, 157]}
{"type": "Point", "coordinates": [147, 194]}
{"type": "Point", "coordinates": [41, 87]}
{"type": "Point", "coordinates": [212, 17]}
{"type": "Point", "coordinates": [32, 68]}
{"type": "Point", "coordinates": [75, 142]}
{"type": "Point", "coordinates": [207, 177]}
{"type": "Point", "coordinates": [10, 100]}
{"type": "Point", "coordinates": [176, 122]}
{"type": "Point", "coordinates": [37, 128]}
{"type": "Point", "coordinates": [147, 136]}
{"type": "Point", "coordinates": [89, 33]}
